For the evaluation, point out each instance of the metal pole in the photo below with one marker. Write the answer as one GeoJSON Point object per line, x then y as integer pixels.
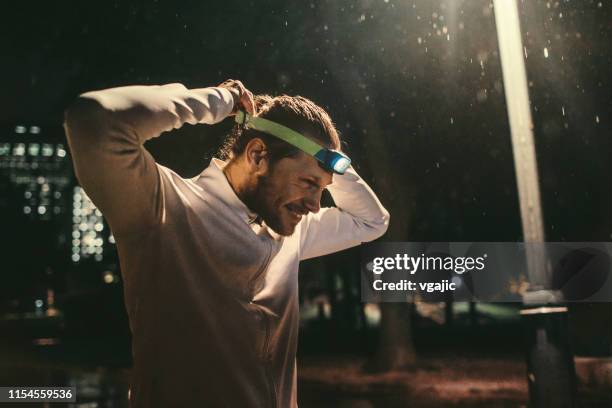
{"type": "Point", "coordinates": [521, 126]}
{"type": "Point", "coordinates": [549, 359]}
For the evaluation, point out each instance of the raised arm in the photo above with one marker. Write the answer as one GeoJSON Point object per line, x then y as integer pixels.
{"type": "Point", "coordinates": [106, 131]}
{"type": "Point", "coordinates": [359, 217]}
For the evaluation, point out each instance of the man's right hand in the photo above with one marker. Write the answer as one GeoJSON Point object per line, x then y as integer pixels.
{"type": "Point", "coordinates": [243, 98]}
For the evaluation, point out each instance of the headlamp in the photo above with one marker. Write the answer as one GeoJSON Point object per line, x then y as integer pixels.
{"type": "Point", "coordinates": [329, 159]}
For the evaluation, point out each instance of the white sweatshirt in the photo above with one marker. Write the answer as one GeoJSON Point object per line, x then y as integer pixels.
{"type": "Point", "coordinates": [212, 298]}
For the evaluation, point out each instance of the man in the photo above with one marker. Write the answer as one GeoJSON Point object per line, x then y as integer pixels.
{"type": "Point", "coordinates": [210, 264]}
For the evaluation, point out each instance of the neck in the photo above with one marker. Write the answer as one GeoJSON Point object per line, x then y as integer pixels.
{"type": "Point", "coordinates": [236, 179]}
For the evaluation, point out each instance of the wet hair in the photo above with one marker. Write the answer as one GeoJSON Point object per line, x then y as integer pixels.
{"type": "Point", "coordinates": [295, 112]}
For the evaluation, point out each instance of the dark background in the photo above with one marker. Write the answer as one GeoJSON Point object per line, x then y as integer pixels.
{"type": "Point", "coordinates": [440, 111]}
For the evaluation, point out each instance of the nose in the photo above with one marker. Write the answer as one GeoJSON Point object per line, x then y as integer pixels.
{"type": "Point", "coordinates": [313, 202]}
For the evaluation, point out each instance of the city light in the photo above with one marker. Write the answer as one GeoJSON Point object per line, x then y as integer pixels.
{"type": "Point", "coordinates": [33, 149]}
{"type": "Point", "coordinates": [61, 152]}
{"type": "Point", "coordinates": [87, 228]}
{"type": "Point", "coordinates": [37, 176]}
{"type": "Point", "coordinates": [47, 150]}
{"type": "Point", "coordinates": [5, 149]}
{"type": "Point", "coordinates": [109, 277]}
{"type": "Point", "coordinates": [19, 149]}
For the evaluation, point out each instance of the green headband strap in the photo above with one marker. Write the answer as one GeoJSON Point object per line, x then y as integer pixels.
{"type": "Point", "coordinates": [282, 132]}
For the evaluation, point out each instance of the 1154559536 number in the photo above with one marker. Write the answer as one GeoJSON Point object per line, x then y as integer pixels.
{"type": "Point", "coordinates": [37, 394]}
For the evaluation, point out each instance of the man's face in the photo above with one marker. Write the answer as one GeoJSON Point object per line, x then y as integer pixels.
{"type": "Point", "coordinates": [289, 191]}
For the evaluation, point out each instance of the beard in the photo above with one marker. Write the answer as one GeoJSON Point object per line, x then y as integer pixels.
{"type": "Point", "coordinates": [260, 198]}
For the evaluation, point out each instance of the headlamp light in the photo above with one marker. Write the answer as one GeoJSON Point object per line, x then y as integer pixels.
{"type": "Point", "coordinates": [329, 159]}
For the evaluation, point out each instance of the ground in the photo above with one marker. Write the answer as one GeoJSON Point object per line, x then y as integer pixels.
{"type": "Point", "coordinates": [432, 382]}
{"type": "Point", "coordinates": [325, 380]}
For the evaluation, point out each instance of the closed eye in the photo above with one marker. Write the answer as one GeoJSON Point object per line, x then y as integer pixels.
{"type": "Point", "coordinates": [310, 184]}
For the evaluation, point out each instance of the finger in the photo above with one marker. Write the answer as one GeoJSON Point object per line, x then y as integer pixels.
{"type": "Point", "coordinates": [248, 102]}
{"type": "Point", "coordinates": [240, 86]}
{"type": "Point", "coordinates": [227, 83]}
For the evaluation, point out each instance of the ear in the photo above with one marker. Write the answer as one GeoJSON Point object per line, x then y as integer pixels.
{"type": "Point", "coordinates": [257, 158]}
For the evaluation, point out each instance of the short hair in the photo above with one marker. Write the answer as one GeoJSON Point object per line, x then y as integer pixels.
{"type": "Point", "coordinates": [295, 112]}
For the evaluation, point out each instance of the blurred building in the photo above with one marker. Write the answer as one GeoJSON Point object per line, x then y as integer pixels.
{"type": "Point", "coordinates": [38, 167]}
{"type": "Point", "coordinates": [54, 236]}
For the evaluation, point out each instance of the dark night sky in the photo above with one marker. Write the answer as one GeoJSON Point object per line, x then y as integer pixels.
{"type": "Point", "coordinates": [422, 75]}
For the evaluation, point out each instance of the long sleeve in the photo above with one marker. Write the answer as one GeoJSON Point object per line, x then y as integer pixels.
{"type": "Point", "coordinates": [106, 131]}
{"type": "Point", "coordinates": [359, 217]}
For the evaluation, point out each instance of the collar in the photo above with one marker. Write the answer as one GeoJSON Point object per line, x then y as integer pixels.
{"type": "Point", "coordinates": [214, 177]}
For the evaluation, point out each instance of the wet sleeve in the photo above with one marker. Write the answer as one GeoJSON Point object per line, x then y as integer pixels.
{"type": "Point", "coordinates": [358, 217]}
{"type": "Point", "coordinates": [106, 131]}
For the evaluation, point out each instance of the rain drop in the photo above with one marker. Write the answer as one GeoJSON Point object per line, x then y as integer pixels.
{"type": "Point", "coordinates": [482, 96]}
{"type": "Point", "coordinates": [545, 52]}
